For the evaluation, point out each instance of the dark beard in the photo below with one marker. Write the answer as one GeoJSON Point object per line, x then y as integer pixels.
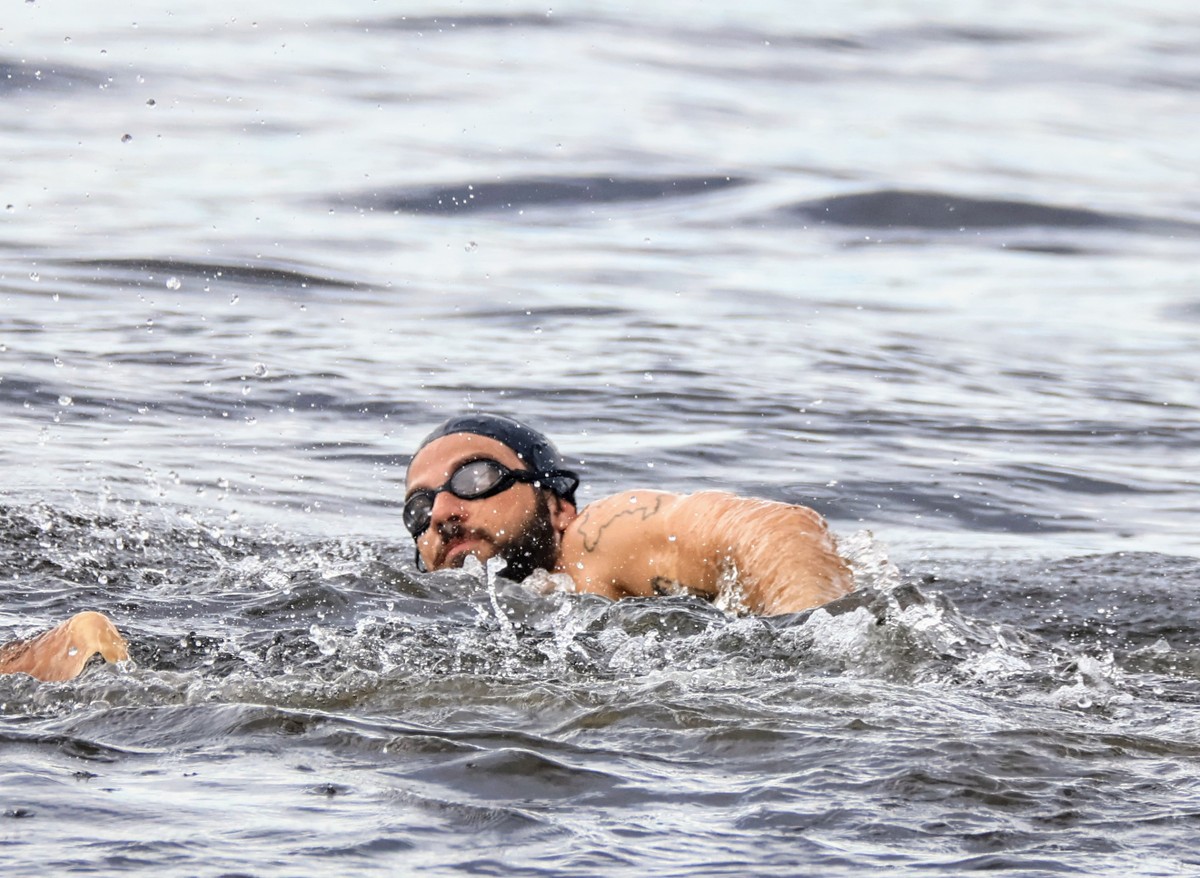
{"type": "Point", "coordinates": [534, 548]}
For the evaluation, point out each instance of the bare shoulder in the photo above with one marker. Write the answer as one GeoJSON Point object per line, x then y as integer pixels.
{"type": "Point", "coordinates": [784, 555]}
{"type": "Point", "coordinates": [710, 502]}
{"type": "Point", "coordinates": [645, 542]}
{"type": "Point", "coordinates": [647, 520]}
{"type": "Point", "coordinates": [620, 515]}
{"type": "Point", "coordinates": [617, 545]}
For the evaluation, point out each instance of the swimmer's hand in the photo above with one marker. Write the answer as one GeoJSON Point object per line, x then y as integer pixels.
{"type": "Point", "coordinates": [62, 652]}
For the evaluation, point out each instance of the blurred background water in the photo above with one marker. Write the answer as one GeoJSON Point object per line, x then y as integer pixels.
{"type": "Point", "coordinates": [930, 268]}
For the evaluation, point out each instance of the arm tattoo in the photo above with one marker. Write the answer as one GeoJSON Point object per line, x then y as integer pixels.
{"type": "Point", "coordinates": [591, 543]}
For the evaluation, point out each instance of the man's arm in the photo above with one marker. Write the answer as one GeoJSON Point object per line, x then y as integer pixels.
{"type": "Point", "coordinates": [62, 652]}
{"type": "Point", "coordinates": [646, 542]}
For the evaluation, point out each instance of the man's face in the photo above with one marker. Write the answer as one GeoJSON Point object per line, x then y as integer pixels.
{"type": "Point", "coordinates": [522, 524]}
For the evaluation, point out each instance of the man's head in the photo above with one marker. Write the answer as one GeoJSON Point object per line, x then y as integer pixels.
{"type": "Point", "coordinates": [487, 485]}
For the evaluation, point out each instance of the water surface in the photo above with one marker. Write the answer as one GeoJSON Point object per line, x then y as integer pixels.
{"type": "Point", "coordinates": [928, 268]}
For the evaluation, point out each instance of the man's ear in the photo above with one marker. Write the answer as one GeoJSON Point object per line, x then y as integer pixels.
{"type": "Point", "coordinates": [562, 513]}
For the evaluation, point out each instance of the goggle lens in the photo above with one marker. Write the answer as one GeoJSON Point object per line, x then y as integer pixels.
{"type": "Point", "coordinates": [473, 480]}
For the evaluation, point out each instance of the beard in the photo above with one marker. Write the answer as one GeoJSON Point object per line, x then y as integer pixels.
{"type": "Point", "coordinates": [533, 547]}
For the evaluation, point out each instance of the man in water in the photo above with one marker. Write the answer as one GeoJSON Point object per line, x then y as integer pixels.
{"type": "Point", "coordinates": [489, 486]}
{"type": "Point", "coordinates": [62, 652]}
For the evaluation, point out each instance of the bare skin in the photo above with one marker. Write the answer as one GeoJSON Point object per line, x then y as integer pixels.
{"type": "Point", "coordinates": [62, 652]}
{"type": "Point", "coordinates": [650, 542]}
{"type": "Point", "coordinates": [639, 543]}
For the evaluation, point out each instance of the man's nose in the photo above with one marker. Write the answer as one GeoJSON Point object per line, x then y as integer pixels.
{"type": "Point", "coordinates": [446, 507]}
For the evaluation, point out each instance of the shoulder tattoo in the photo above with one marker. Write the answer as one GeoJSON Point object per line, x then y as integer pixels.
{"type": "Point", "coordinates": [592, 533]}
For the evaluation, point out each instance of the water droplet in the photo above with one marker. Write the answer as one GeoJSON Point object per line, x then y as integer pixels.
{"type": "Point", "coordinates": [648, 376]}
{"type": "Point", "coordinates": [58, 362]}
{"type": "Point", "coordinates": [73, 651]}
{"type": "Point", "coordinates": [125, 138]}
{"type": "Point", "coordinates": [233, 300]}
{"type": "Point", "coordinates": [10, 208]}
{"type": "Point", "coordinates": [102, 579]}
{"type": "Point", "coordinates": [245, 390]}
{"type": "Point", "coordinates": [471, 245]}
{"type": "Point", "coordinates": [65, 400]}
{"type": "Point", "coordinates": [173, 283]}
{"type": "Point", "coordinates": [260, 370]}
{"type": "Point", "coordinates": [34, 276]}
{"type": "Point", "coordinates": [151, 102]}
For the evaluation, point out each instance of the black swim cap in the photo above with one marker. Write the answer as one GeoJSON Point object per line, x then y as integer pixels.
{"type": "Point", "coordinates": [534, 448]}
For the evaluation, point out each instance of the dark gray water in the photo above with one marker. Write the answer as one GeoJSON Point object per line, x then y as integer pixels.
{"type": "Point", "coordinates": [930, 269]}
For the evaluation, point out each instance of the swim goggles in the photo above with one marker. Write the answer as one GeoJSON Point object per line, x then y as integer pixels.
{"type": "Point", "coordinates": [476, 480]}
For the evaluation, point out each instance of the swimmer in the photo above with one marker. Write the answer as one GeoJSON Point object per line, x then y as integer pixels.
{"type": "Point", "coordinates": [62, 652]}
{"type": "Point", "coordinates": [484, 485]}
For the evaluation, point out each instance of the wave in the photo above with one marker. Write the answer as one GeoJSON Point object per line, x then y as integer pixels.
{"type": "Point", "coordinates": [938, 211]}
{"type": "Point", "coordinates": [118, 271]}
{"type": "Point", "coordinates": [23, 76]}
{"type": "Point", "coordinates": [233, 615]}
{"type": "Point", "coordinates": [480, 21]}
{"type": "Point", "coordinates": [550, 192]}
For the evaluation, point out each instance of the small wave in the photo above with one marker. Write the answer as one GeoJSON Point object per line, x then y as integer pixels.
{"type": "Point", "coordinates": [980, 509]}
{"type": "Point", "coordinates": [1188, 311]}
{"type": "Point", "coordinates": [253, 275]}
{"type": "Point", "coordinates": [936, 211]}
{"type": "Point", "coordinates": [24, 76]}
{"type": "Point", "coordinates": [443, 23]}
{"type": "Point", "coordinates": [525, 317]}
{"type": "Point", "coordinates": [942, 35]}
{"type": "Point", "coordinates": [70, 745]}
{"type": "Point", "coordinates": [557, 192]}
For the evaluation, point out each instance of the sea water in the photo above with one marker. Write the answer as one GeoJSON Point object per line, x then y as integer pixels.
{"type": "Point", "coordinates": [929, 268]}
